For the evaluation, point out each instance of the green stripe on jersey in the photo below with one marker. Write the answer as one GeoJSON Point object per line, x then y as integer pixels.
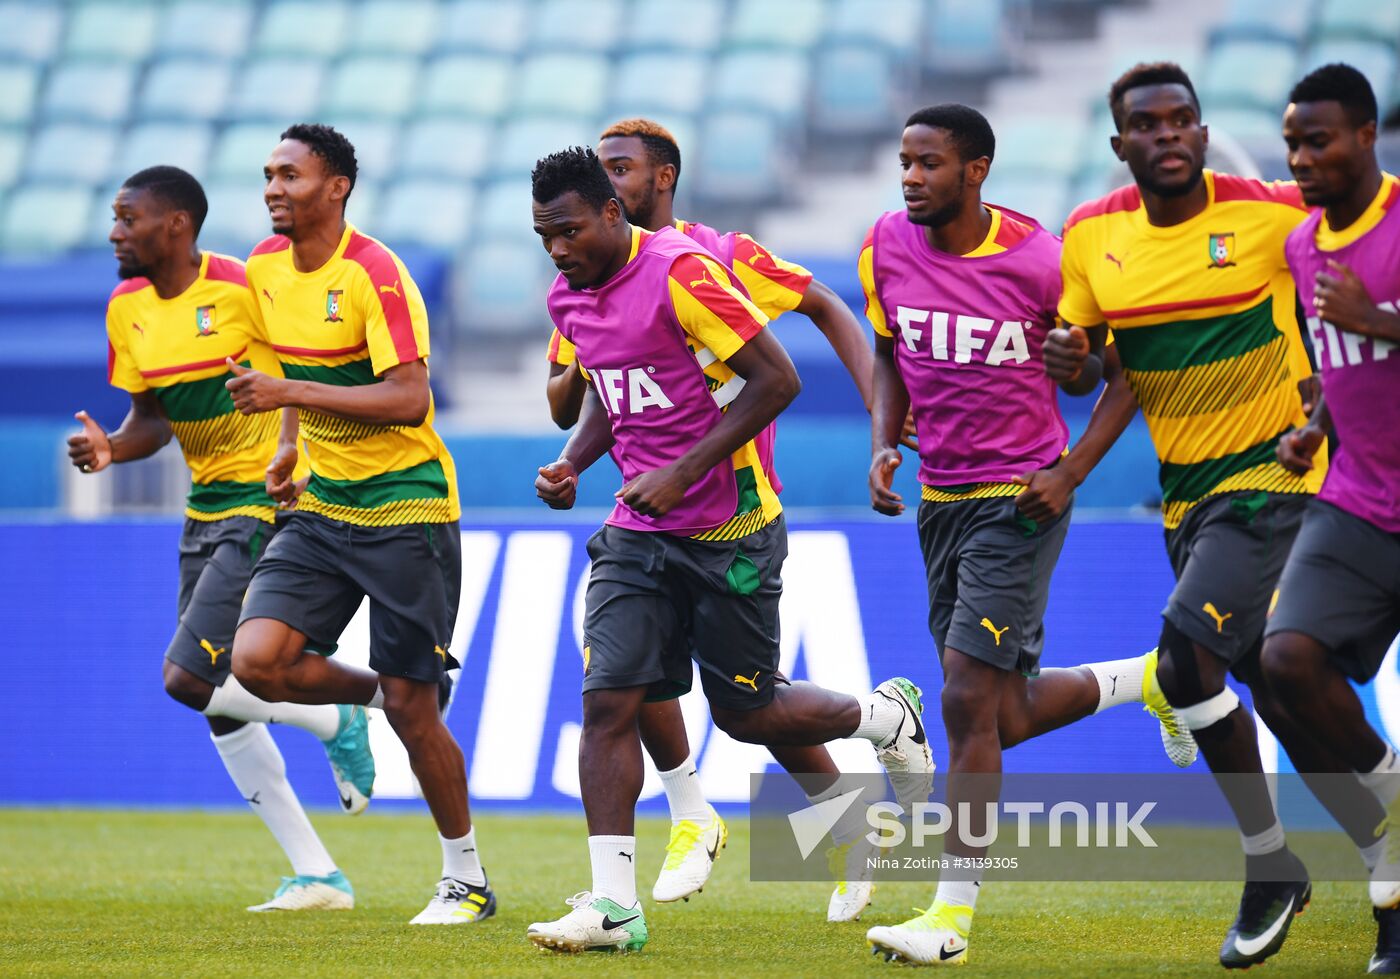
{"type": "Point", "coordinates": [1187, 343]}
{"type": "Point", "coordinates": [425, 481]}
{"type": "Point", "coordinates": [747, 484]}
{"type": "Point", "coordinates": [225, 495]}
{"type": "Point", "coordinates": [197, 401]}
{"type": "Point", "coordinates": [353, 374]}
{"type": "Point", "coordinates": [1191, 481]}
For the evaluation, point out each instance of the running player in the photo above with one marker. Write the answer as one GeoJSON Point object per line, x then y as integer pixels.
{"type": "Point", "coordinates": [379, 515]}
{"type": "Point", "coordinates": [1339, 598]}
{"type": "Point", "coordinates": [174, 319]}
{"type": "Point", "coordinates": [973, 290]}
{"type": "Point", "coordinates": [691, 556]}
{"type": "Point", "coordinates": [643, 163]}
{"type": "Point", "coordinates": [1187, 268]}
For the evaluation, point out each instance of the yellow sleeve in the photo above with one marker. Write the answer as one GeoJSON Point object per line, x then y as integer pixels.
{"type": "Point", "coordinates": [560, 351]}
{"type": "Point", "coordinates": [396, 319]}
{"type": "Point", "coordinates": [121, 369]}
{"type": "Point", "coordinates": [865, 268]}
{"type": "Point", "coordinates": [709, 308]}
{"type": "Point", "coordinates": [775, 286]}
{"type": "Point", "coordinates": [1078, 307]}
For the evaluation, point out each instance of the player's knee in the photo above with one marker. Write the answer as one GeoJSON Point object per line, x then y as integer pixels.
{"type": "Point", "coordinates": [1178, 673]}
{"type": "Point", "coordinates": [1211, 719]}
{"type": "Point", "coordinates": [967, 709]}
{"type": "Point", "coordinates": [610, 711]}
{"type": "Point", "coordinates": [257, 658]}
{"type": "Point", "coordinates": [1287, 664]}
{"type": "Point", "coordinates": [747, 726]}
{"type": "Point", "coordinates": [185, 688]}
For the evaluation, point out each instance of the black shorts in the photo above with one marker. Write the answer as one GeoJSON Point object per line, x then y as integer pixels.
{"type": "Point", "coordinates": [988, 570]}
{"type": "Point", "coordinates": [317, 571]}
{"type": "Point", "coordinates": [216, 563]}
{"type": "Point", "coordinates": [655, 600]}
{"type": "Point", "coordinates": [1227, 555]}
{"type": "Point", "coordinates": [1341, 586]}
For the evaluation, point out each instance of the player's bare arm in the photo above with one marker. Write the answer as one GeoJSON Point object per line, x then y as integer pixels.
{"type": "Point", "coordinates": [771, 384]}
{"type": "Point", "coordinates": [1343, 301]}
{"type": "Point", "coordinates": [143, 433]}
{"type": "Point", "coordinates": [889, 410]}
{"type": "Point", "coordinates": [557, 483]}
{"type": "Point", "coordinates": [1297, 448]}
{"type": "Point", "coordinates": [841, 329]}
{"type": "Point", "coordinates": [280, 484]}
{"type": "Point", "coordinates": [565, 389]}
{"type": "Point", "coordinates": [401, 397]}
{"type": "Point", "coordinates": [1074, 357]}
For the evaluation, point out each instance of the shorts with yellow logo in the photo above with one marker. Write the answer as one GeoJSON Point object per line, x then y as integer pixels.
{"type": "Point", "coordinates": [216, 563]}
{"type": "Point", "coordinates": [655, 601]}
{"type": "Point", "coordinates": [1341, 586]}
{"type": "Point", "coordinates": [319, 570]}
{"type": "Point", "coordinates": [988, 570]}
{"type": "Point", "coordinates": [1227, 555]}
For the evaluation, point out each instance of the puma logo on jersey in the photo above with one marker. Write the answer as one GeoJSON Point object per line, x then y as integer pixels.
{"type": "Point", "coordinates": [996, 633]}
{"type": "Point", "coordinates": [629, 391]}
{"type": "Point", "coordinates": [1210, 609]}
{"type": "Point", "coordinates": [214, 654]}
{"type": "Point", "coordinates": [269, 297]}
{"type": "Point", "coordinates": [392, 290]}
{"type": "Point", "coordinates": [137, 328]}
{"type": "Point", "coordinates": [704, 279]}
{"type": "Point", "coordinates": [1116, 261]}
{"type": "Point", "coordinates": [969, 336]}
{"type": "Point", "coordinates": [753, 259]}
{"type": "Point", "coordinates": [746, 681]}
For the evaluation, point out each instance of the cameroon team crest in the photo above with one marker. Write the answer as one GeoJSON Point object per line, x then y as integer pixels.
{"type": "Point", "coordinates": [333, 305]}
{"type": "Point", "coordinates": [1222, 251]}
{"type": "Point", "coordinates": [204, 321]}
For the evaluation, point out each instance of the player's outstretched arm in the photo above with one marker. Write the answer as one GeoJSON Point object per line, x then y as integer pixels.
{"type": "Point", "coordinates": [842, 330]}
{"type": "Point", "coordinates": [143, 432]}
{"type": "Point", "coordinates": [889, 410]}
{"type": "Point", "coordinates": [401, 397]}
{"type": "Point", "coordinates": [565, 389]}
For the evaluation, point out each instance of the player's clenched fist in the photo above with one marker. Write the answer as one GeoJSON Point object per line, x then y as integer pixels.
{"type": "Point", "coordinates": [89, 450]}
{"type": "Point", "coordinates": [253, 391]}
{"type": "Point", "coordinates": [1296, 449]}
{"type": "Point", "coordinates": [655, 493]}
{"type": "Point", "coordinates": [557, 484]}
{"type": "Point", "coordinates": [882, 497]}
{"type": "Point", "coordinates": [1064, 353]}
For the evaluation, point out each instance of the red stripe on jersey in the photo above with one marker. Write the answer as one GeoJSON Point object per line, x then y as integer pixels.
{"type": "Point", "coordinates": [695, 278]}
{"type": "Point", "coordinates": [223, 269]}
{"type": "Point", "coordinates": [130, 285]}
{"type": "Point", "coordinates": [111, 359]}
{"type": "Point", "coordinates": [1123, 199]}
{"type": "Point", "coordinates": [1390, 198]}
{"type": "Point", "coordinates": [1011, 231]}
{"type": "Point", "coordinates": [1229, 187]}
{"type": "Point", "coordinates": [760, 259]}
{"type": "Point", "coordinates": [869, 241]}
{"type": "Point", "coordinates": [554, 339]}
{"type": "Point", "coordinates": [308, 352]}
{"type": "Point", "coordinates": [1239, 297]}
{"type": "Point", "coordinates": [277, 243]}
{"type": "Point", "coordinates": [200, 366]}
{"type": "Point", "coordinates": [383, 274]}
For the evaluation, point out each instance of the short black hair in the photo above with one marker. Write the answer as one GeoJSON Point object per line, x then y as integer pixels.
{"type": "Point", "coordinates": [1143, 74]}
{"type": "Point", "coordinates": [969, 130]}
{"type": "Point", "coordinates": [335, 151]}
{"type": "Point", "coordinates": [576, 168]}
{"type": "Point", "coordinates": [661, 146]}
{"type": "Point", "coordinates": [176, 188]}
{"type": "Point", "coordinates": [1339, 83]}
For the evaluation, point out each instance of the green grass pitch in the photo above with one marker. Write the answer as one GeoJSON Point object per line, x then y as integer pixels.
{"type": "Point", "coordinates": [122, 893]}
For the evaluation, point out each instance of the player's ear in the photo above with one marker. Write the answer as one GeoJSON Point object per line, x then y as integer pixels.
{"type": "Point", "coordinates": [612, 211]}
{"type": "Point", "coordinates": [666, 176]}
{"type": "Point", "coordinates": [176, 222]}
{"type": "Point", "coordinates": [1366, 135]}
{"type": "Point", "coordinates": [339, 189]}
{"type": "Point", "coordinates": [1116, 142]}
{"type": "Point", "coordinates": [975, 172]}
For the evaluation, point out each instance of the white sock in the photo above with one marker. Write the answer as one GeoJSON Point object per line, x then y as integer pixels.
{"type": "Point", "coordinates": [460, 860]}
{"type": "Point", "coordinates": [852, 824]}
{"type": "Point", "coordinates": [684, 794]}
{"type": "Point", "coordinates": [378, 699]}
{"type": "Point", "coordinates": [1384, 779]}
{"type": "Point", "coordinates": [257, 768]}
{"type": "Point", "coordinates": [1120, 681]}
{"type": "Point", "coordinates": [1371, 855]}
{"type": "Point", "coordinates": [880, 717]}
{"type": "Point", "coordinates": [614, 868]}
{"type": "Point", "coordinates": [1269, 841]}
{"type": "Point", "coordinates": [232, 700]}
{"type": "Point", "coordinates": [960, 893]}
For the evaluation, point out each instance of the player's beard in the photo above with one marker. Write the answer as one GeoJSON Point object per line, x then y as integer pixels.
{"type": "Point", "coordinates": [132, 271]}
{"type": "Point", "coordinates": [1178, 190]}
{"type": "Point", "coordinates": [640, 212]}
{"type": "Point", "coordinates": [940, 217]}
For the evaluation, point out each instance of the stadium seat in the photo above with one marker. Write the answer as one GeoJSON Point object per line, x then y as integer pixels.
{"type": "Point", "coordinates": [1249, 74]}
{"type": "Point", "coordinates": [575, 25]}
{"type": "Point", "coordinates": [362, 210]}
{"type": "Point", "coordinates": [242, 149]}
{"type": "Point", "coordinates": [446, 148]}
{"type": "Point", "coordinates": [890, 24]}
{"type": "Point", "coordinates": [12, 144]}
{"type": "Point", "coordinates": [303, 28]}
{"type": "Point", "coordinates": [31, 30]}
{"type": "Point", "coordinates": [523, 141]}
{"type": "Point", "coordinates": [1185, 55]}
{"type": "Point", "coordinates": [503, 289]}
{"type": "Point", "coordinates": [237, 217]}
{"type": "Point", "coordinates": [20, 83]}
{"type": "Point", "coordinates": [178, 144]}
{"type": "Point", "coordinates": [776, 23]}
{"type": "Point", "coordinates": [564, 83]}
{"type": "Point", "coordinates": [1246, 125]}
{"type": "Point", "coordinates": [371, 86]}
{"type": "Point", "coordinates": [376, 143]}
{"type": "Point", "coordinates": [1374, 59]}
{"type": "Point", "coordinates": [656, 25]}
{"type": "Point", "coordinates": [45, 218]}
{"type": "Point", "coordinates": [216, 28]}
{"type": "Point", "coordinates": [772, 81]}
{"type": "Point", "coordinates": [1360, 18]}
{"type": "Point", "coordinates": [278, 88]}
{"type": "Point", "coordinates": [503, 212]}
{"type": "Point", "coordinates": [465, 85]}
{"type": "Point", "coordinates": [118, 30]}
{"type": "Point", "coordinates": [657, 81]}
{"type": "Point", "coordinates": [490, 26]}
{"type": "Point", "coordinates": [426, 212]}
{"type": "Point", "coordinates": [71, 151]}
{"type": "Point", "coordinates": [966, 39]}
{"type": "Point", "coordinates": [854, 90]}
{"type": "Point", "coordinates": [1268, 20]}
{"type": "Point", "coordinates": [394, 27]}
{"type": "Point", "coordinates": [1044, 198]}
{"type": "Point", "coordinates": [738, 159]}
{"type": "Point", "coordinates": [87, 91]}
{"type": "Point", "coordinates": [185, 88]}
{"type": "Point", "coordinates": [1038, 144]}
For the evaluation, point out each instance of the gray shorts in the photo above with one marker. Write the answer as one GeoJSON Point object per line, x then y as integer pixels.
{"type": "Point", "coordinates": [318, 570]}
{"type": "Point", "coordinates": [1341, 586]}
{"type": "Point", "coordinates": [1227, 556]}
{"type": "Point", "coordinates": [654, 601]}
{"type": "Point", "coordinates": [216, 563]}
{"type": "Point", "coordinates": [988, 570]}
